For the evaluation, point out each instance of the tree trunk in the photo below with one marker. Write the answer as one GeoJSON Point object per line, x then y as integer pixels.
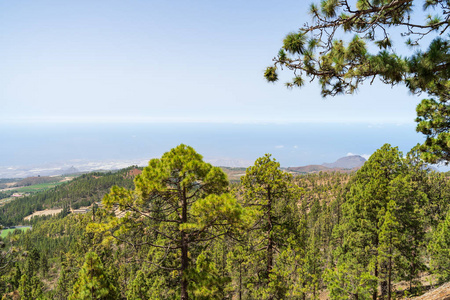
{"type": "Point", "coordinates": [384, 284]}
{"type": "Point", "coordinates": [390, 270]}
{"type": "Point", "coordinates": [184, 251]}
{"type": "Point", "coordinates": [240, 280]}
{"type": "Point", "coordinates": [374, 295]}
{"type": "Point", "coordinates": [270, 240]}
{"type": "Point", "coordinates": [376, 243]}
{"type": "Point", "coordinates": [390, 278]}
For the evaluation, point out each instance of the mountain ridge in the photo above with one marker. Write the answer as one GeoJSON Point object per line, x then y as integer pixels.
{"type": "Point", "coordinates": [346, 164]}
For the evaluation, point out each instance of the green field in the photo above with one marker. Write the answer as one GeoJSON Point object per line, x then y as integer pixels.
{"type": "Point", "coordinates": [6, 231]}
{"type": "Point", "coordinates": [37, 187]}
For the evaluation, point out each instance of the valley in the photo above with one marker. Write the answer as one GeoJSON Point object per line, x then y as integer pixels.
{"type": "Point", "coordinates": [313, 208]}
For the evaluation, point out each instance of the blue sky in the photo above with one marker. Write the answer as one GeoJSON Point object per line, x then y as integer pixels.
{"type": "Point", "coordinates": [166, 61]}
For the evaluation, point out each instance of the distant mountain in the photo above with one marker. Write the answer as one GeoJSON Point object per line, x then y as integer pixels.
{"type": "Point", "coordinates": [67, 168]}
{"type": "Point", "coordinates": [71, 170]}
{"type": "Point", "coordinates": [308, 169]}
{"type": "Point", "coordinates": [347, 162]}
{"type": "Point", "coordinates": [36, 180]}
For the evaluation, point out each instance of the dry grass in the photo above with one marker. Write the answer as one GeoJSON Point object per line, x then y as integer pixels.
{"type": "Point", "coordinates": [47, 212]}
{"type": "Point", "coordinates": [439, 293]}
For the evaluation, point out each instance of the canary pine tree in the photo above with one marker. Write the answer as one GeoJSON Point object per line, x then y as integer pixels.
{"type": "Point", "coordinates": [360, 229]}
{"type": "Point", "coordinates": [178, 206]}
{"type": "Point", "coordinates": [349, 42]}
{"type": "Point", "coordinates": [92, 282]}
{"type": "Point", "coordinates": [272, 196]}
{"type": "Point", "coordinates": [383, 227]}
{"type": "Point", "coordinates": [439, 248]}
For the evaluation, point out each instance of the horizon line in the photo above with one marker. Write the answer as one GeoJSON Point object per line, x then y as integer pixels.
{"type": "Point", "coordinates": [199, 121]}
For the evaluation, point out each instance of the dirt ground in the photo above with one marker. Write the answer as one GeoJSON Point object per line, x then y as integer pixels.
{"type": "Point", "coordinates": [440, 293]}
{"type": "Point", "coordinates": [46, 212]}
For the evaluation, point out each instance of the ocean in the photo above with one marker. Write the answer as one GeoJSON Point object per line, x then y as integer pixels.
{"type": "Point", "coordinates": [293, 144]}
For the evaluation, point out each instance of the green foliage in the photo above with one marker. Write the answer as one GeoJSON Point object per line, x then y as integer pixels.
{"type": "Point", "coordinates": [384, 223]}
{"type": "Point", "coordinates": [271, 73]}
{"type": "Point", "coordinates": [271, 196]}
{"type": "Point", "coordinates": [294, 43]}
{"type": "Point", "coordinates": [63, 289]}
{"type": "Point", "coordinates": [81, 191]}
{"type": "Point", "coordinates": [341, 63]}
{"type": "Point", "coordinates": [440, 250]}
{"type": "Point", "coordinates": [138, 287]}
{"type": "Point", "coordinates": [92, 283]}
{"type": "Point", "coordinates": [4, 195]}
{"type": "Point", "coordinates": [206, 280]}
{"type": "Point", "coordinates": [37, 187]}
{"type": "Point", "coordinates": [30, 287]}
{"type": "Point", "coordinates": [350, 280]}
{"type": "Point", "coordinates": [433, 119]}
{"type": "Point", "coordinates": [275, 236]}
{"type": "Point", "coordinates": [179, 205]}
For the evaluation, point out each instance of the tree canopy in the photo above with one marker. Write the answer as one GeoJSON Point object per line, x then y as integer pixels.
{"type": "Point", "coordinates": [323, 50]}
{"type": "Point", "coordinates": [178, 206]}
{"type": "Point", "coordinates": [183, 233]}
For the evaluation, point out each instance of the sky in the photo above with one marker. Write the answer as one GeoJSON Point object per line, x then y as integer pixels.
{"type": "Point", "coordinates": [166, 61]}
{"type": "Point", "coordinates": [175, 62]}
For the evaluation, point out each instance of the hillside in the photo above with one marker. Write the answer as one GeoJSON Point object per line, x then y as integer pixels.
{"type": "Point", "coordinates": [439, 293]}
{"type": "Point", "coordinates": [314, 214]}
{"type": "Point", "coordinates": [37, 180]}
{"type": "Point", "coordinates": [234, 174]}
{"type": "Point", "coordinates": [81, 191]}
{"type": "Point", "coordinates": [308, 169]}
{"type": "Point", "coordinates": [347, 164]}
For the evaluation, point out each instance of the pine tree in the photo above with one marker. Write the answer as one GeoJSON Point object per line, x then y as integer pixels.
{"type": "Point", "coordinates": [62, 290]}
{"type": "Point", "coordinates": [25, 287]}
{"type": "Point", "coordinates": [439, 249]}
{"type": "Point", "coordinates": [179, 204]}
{"type": "Point", "coordinates": [272, 196]}
{"type": "Point", "coordinates": [43, 264]}
{"type": "Point", "coordinates": [30, 287]}
{"type": "Point", "coordinates": [384, 224]}
{"type": "Point", "coordinates": [92, 283]}
{"type": "Point", "coordinates": [368, 196]}
{"type": "Point", "coordinates": [206, 280]}
{"type": "Point", "coordinates": [138, 287]}
{"type": "Point", "coordinates": [408, 211]}
{"type": "Point", "coordinates": [389, 243]}
{"type": "Point", "coordinates": [237, 267]}
{"type": "Point", "coordinates": [350, 280]}
{"type": "Point", "coordinates": [324, 50]}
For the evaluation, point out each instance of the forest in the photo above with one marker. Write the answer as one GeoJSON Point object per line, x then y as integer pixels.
{"type": "Point", "coordinates": [181, 231]}
{"type": "Point", "coordinates": [82, 191]}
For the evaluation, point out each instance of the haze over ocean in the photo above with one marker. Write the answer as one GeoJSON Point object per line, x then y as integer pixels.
{"type": "Point", "coordinates": [292, 144]}
{"type": "Point", "coordinates": [128, 74]}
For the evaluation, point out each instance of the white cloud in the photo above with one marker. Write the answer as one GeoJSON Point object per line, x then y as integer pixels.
{"type": "Point", "coordinates": [279, 146]}
{"type": "Point", "coordinates": [366, 156]}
